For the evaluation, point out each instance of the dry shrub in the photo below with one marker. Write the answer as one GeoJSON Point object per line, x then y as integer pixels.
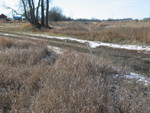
{"type": "Point", "coordinates": [16, 57]}
{"type": "Point", "coordinates": [79, 84]}
{"type": "Point", "coordinates": [14, 43]}
{"type": "Point", "coordinates": [25, 27]}
{"type": "Point", "coordinates": [74, 83]}
{"type": "Point", "coordinates": [5, 42]}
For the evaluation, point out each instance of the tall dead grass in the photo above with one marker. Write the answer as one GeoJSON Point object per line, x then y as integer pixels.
{"type": "Point", "coordinates": [112, 32]}
{"type": "Point", "coordinates": [114, 35]}
{"type": "Point", "coordinates": [71, 83]}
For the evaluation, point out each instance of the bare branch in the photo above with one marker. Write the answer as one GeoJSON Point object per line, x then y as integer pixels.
{"type": "Point", "coordinates": [13, 10]}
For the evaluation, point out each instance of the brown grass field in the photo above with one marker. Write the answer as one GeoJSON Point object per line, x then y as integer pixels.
{"type": "Point", "coordinates": [34, 79]}
{"type": "Point", "coordinates": [128, 32]}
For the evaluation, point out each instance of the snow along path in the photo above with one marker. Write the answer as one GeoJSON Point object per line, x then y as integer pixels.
{"type": "Point", "coordinates": [15, 35]}
{"type": "Point", "coordinates": [92, 44]}
{"type": "Point", "coordinates": [95, 44]}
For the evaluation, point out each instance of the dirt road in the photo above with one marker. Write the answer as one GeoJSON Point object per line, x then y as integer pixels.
{"type": "Point", "coordinates": [136, 61]}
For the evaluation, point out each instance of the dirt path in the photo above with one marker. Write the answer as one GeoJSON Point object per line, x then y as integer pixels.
{"type": "Point", "coordinates": [137, 62]}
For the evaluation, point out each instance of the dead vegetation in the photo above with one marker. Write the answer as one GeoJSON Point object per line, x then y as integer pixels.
{"type": "Point", "coordinates": [135, 32]}
{"type": "Point", "coordinates": [113, 32]}
{"type": "Point", "coordinates": [36, 80]}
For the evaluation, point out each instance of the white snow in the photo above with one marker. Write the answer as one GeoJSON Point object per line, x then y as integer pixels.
{"type": "Point", "coordinates": [17, 36]}
{"type": "Point", "coordinates": [95, 44]}
{"type": "Point", "coordinates": [138, 77]}
{"type": "Point", "coordinates": [133, 76]}
{"type": "Point", "coordinates": [8, 34]}
{"type": "Point", "coordinates": [55, 49]}
{"type": "Point", "coordinates": [129, 47]}
{"type": "Point", "coordinates": [56, 37]}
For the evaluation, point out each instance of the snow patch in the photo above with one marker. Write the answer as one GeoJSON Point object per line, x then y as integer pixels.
{"type": "Point", "coordinates": [55, 49]}
{"type": "Point", "coordinates": [138, 77]}
{"type": "Point", "coordinates": [95, 44]}
{"type": "Point", "coordinates": [133, 76]}
{"type": "Point", "coordinates": [17, 36]}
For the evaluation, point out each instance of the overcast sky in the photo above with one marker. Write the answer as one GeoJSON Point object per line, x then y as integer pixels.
{"type": "Point", "coordinates": [100, 9]}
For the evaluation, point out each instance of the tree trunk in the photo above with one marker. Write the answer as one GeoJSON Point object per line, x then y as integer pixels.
{"type": "Point", "coordinates": [47, 10]}
{"type": "Point", "coordinates": [37, 11]}
{"type": "Point", "coordinates": [42, 13]}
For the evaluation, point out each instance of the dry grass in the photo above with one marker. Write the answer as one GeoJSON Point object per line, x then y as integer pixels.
{"type": "Point", "coordinates": [70, 83]}
{"type": "Point", "coordinates": [113, 32]}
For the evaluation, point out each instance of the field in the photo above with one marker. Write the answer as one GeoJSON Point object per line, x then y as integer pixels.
{"type": "Point", "coordinates": [134, 32]}
{"type": "Point", "coordinates": [34, 79]}
{"type": "Point", "coordinates": [37, 77]}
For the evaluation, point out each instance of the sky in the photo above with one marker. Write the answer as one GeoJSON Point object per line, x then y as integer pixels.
{"type": "Point", "coordinates": [98, 9]}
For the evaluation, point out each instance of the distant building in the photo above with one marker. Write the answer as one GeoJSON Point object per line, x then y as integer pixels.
{"type": "Point", "coordinates": [3, 17]}
{"type": "Point", "coordinates": [17, 17]}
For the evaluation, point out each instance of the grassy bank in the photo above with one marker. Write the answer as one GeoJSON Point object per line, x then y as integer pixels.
{"type": "Point", "coordinates": [34, 79]}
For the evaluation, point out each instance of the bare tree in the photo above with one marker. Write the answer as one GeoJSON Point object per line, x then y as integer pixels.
{"type": "Point", "coordinates": [35, 11]}
{"type": "Point", "coordinates": [29, 12]}
{"type": "Point", "coordinates": [32, 12]}
{"type": "Point", "coordinates": [55, 14]}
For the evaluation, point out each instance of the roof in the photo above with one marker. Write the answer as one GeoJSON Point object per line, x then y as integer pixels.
{"type": "Point", "coordinates": [17, 17]}
{"type": "Point", "coordinates": [3, 16]}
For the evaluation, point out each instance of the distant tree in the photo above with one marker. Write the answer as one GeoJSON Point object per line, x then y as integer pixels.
{"type": "Point", "coordinates": [55, 14]}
